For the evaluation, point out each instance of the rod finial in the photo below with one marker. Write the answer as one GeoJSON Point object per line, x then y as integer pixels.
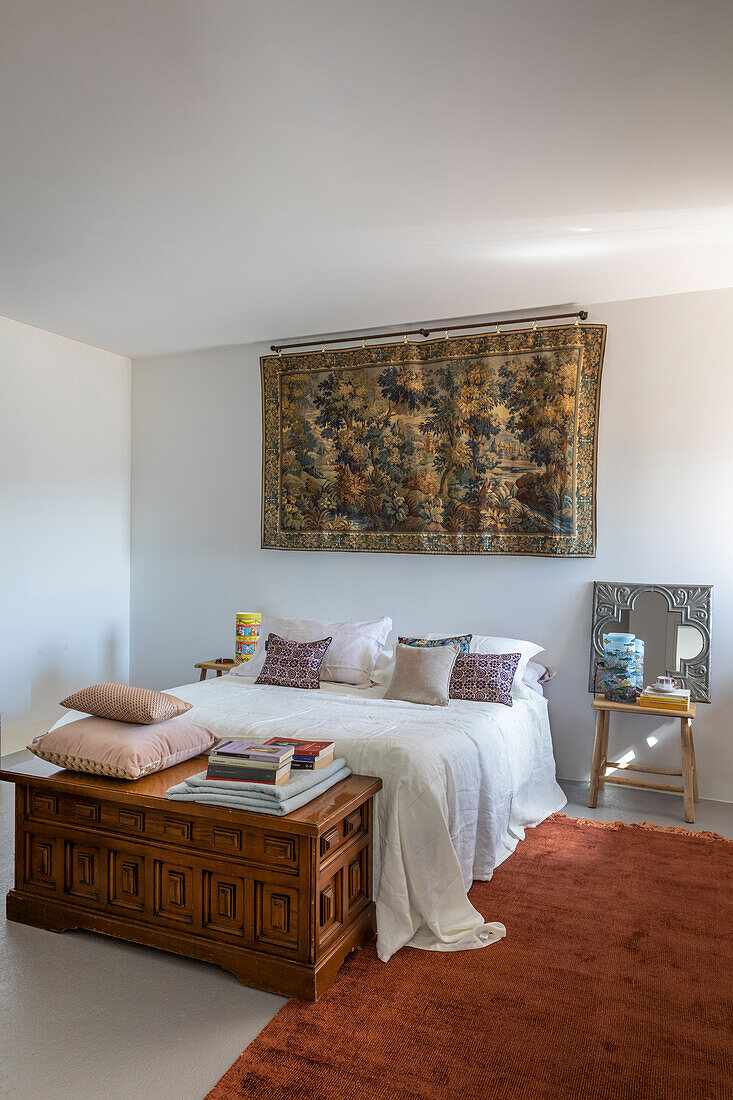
{"type": "Point", "coordinates": [274, 347]}
{"type": "Point", "coordinates": [583, 314]}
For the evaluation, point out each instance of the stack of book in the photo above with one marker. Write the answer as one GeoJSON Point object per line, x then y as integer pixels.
{"type": "Point", "coordinates": [679, 699]}
{"type": "Point", "coordinates": [238, 760]}
{"type": "Point", "coordinates": [309, 755]}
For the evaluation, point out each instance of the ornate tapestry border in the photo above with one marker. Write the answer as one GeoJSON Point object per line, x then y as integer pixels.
{"type": "Point", "coordinates": [590, 339]}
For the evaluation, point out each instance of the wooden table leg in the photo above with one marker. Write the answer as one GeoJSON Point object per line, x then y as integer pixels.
{"type": "Point", "coordinates": [595, 763]}
{"type": "Point", "coordinates": [694, 766]}
{"type": "Point", "coordinates": [203, 674]}
{"type": "Point", "coordinates": [604, 750]}
{"type": "Point", "coordinates": [687, 769]}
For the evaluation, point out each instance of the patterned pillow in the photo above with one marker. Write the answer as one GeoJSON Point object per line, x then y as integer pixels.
{"type": "Point", "coordinates": [292, 664]}
{"type": "Point", "coordinates": [463, 641]}
{"type": "Point", "coordinates": [484, 677]}
{"type": "Point", "coordinates": [123, 703]}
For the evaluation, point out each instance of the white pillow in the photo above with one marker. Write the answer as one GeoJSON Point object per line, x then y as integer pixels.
{"type": "Point", "coordinates": [350, 657]}
{"type": "Point", "coordinates": [486, 643]}
{"type": "Point", "coordinates": [384, 667]}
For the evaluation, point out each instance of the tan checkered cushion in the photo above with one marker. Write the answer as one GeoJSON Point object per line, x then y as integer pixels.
{"type": "Point", "coordinates": [141, 706]}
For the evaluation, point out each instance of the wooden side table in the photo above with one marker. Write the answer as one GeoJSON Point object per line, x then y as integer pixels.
{"type": "Point", "coordinates": [598, 779]}
{"type": "Point", "coordinates": [223, 664]}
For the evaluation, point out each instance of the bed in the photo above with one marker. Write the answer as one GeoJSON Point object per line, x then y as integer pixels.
{"type": "Point", "coordinates": [461, 784]}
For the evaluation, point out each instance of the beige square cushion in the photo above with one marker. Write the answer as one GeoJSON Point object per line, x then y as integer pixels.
{"type": "Point", "coordinates": [422, 675]}
{"type": "Point", "coordinates": [103, 746]}
{"type": "Point", "coordinates": [126, 704]}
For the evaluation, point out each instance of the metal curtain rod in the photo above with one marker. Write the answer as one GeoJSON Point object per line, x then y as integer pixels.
{"type": "Point", "coordinates": [580, 314]}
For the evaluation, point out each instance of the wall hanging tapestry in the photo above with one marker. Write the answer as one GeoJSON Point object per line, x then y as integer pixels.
{"type": "Point", "coordinates": [482, 444]}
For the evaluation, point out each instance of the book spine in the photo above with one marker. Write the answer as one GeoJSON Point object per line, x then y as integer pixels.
{"type": "Point", "coordinates": [665, 698]}
{"type": "Point", "coordinates": [228, 779]}
{"type": "Point", "coordinates": [665, 702]}
{"type": "Point", "coordinates": [657, 704]}
{"type": "Point", "coordinates": [253, 776]}
{"type": "Point", "coordinates": [304, 748]}
{"type": "Point", "coordinates": [259, 756]}
{"type": "Point", "coordinates": [302, 765]}
{"type": "Point", "coordinates": [228, 762]}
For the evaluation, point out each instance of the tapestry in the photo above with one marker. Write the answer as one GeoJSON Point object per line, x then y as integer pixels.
{"type": "Point", "coordinates": [482, 444]}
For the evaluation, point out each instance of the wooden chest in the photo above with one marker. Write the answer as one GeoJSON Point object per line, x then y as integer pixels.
{"type": "Point", "coordinates": [278, 901]}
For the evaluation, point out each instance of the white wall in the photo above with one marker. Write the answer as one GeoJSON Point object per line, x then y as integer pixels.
{"type": "Point", "coordinates": [64, 524]}
{"type": "Point", "coordinates": [665, 421]}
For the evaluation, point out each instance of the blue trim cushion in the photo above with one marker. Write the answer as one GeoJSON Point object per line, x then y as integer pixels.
{"type": "Point", "coordinates": [292, 664]}
{"type": "Point", "coordinates": [484, 677]}
{"type": "Point", "coordinates": [463, 642]}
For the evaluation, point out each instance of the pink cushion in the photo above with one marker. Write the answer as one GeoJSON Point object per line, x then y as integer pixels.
{"type": "Point", "coordinates": [125, 703]}
{"type": "Point", "coordinates": [103, 746]}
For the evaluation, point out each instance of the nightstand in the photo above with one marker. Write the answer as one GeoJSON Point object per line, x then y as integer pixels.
{"type": "Point", "coordinates": [219, 666]}
{"type": "Point", "coordinates": [598, 779]}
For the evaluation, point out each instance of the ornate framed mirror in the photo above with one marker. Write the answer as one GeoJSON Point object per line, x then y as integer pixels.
{"type": "Point", "coordinates": [673, 619]}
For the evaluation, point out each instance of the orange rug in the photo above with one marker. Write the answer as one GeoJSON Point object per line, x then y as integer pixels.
{"type": "Point", "coordinates": [615, 980]}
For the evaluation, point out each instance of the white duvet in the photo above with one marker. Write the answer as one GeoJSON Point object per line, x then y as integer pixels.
{"type": "Point", "coordinates": [461, 783]}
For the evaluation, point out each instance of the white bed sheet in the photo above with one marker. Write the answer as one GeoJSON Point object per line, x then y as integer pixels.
{"type": "Point", "coordinates": [461, 783]}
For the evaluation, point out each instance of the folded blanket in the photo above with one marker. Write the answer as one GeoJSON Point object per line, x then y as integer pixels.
{"type": "Point", "coordinates": [300, 780]}
{"type": "Point", "coordinates": [256, 801]}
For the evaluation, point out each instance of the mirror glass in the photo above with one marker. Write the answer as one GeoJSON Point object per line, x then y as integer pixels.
{"type": "Point", "coordinates": [666, 641]}
{"type": "Point", "coordinates": [676, 643]}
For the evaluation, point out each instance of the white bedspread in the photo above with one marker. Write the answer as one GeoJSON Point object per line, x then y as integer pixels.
{"type": "Point", "coordinates": [461, 783]}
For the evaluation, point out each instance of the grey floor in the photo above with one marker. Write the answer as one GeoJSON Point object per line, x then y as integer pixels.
{"type": "Point", "coordinates": [85, 1017]}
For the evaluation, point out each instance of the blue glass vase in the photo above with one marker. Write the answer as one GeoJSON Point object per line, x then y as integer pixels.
{"type": "Point", "coordinates": [620, 678]}
{"type": "Point", "coordinates": [639, 662]}
{"type": "Point", "coordinates": [620, 684]}
{"type": "Point", "coordinates": [619, 649]}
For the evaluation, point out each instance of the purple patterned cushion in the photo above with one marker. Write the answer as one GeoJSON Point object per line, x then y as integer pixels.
{"type": "Point", "coordinates": [292, 664]}
{"type": "Point", "coordinates": [484, 677]}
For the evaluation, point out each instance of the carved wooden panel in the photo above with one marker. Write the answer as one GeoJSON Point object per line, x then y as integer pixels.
{"type": "Point", "coordinates": [356, 880]}
{"type": "Point", "coordinates": [276, 915]}
{"type": "Point", "coordinates": [42, 804]}
{"type": "Point", "coordinates": [176, 828]}
{"type": "Point", "coordinates": [173, 891]}
{"type": "Point", "coordinates": [85, 812]}
{"type": "Point", "coordinates": [329, 840]}
{"type": "Point", "coordinates": [273, 848]}
{"type": "Point", "coordinates": [223, 899]}
{"type": "Point", "coordinates": [82, 871]}
{"type": "Point", "coordinates": [127, 880]}
{"type": "Point", "coordinates": [353, 821]}
{"type": "Point", "coordinates": [279, 848]}
{"type": "Point", "coordinates": [41, 861]}
{"type": "Point", "coordinates": [226, 840]}
{"type": "Point", "coordinates": [330, 906]}
{"type": "Point", "coordinates": [133, 820]}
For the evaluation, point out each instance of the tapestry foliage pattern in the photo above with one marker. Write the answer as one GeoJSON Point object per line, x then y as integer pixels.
{"type": "Point", "coordinates": [465, 445]}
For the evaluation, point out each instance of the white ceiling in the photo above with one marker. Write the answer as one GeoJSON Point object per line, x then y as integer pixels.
{"type": "Point", "coordinates": [187, 173]}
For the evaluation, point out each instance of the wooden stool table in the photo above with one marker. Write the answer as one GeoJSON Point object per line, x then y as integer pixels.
{"type": "Point", "coordinates": [223, 664]}
{"type": "Point", "coordinates": [598, 778]}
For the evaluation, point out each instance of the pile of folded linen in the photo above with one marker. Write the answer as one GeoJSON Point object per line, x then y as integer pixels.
{"type": "Point", "coordinates": [258, 797]}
